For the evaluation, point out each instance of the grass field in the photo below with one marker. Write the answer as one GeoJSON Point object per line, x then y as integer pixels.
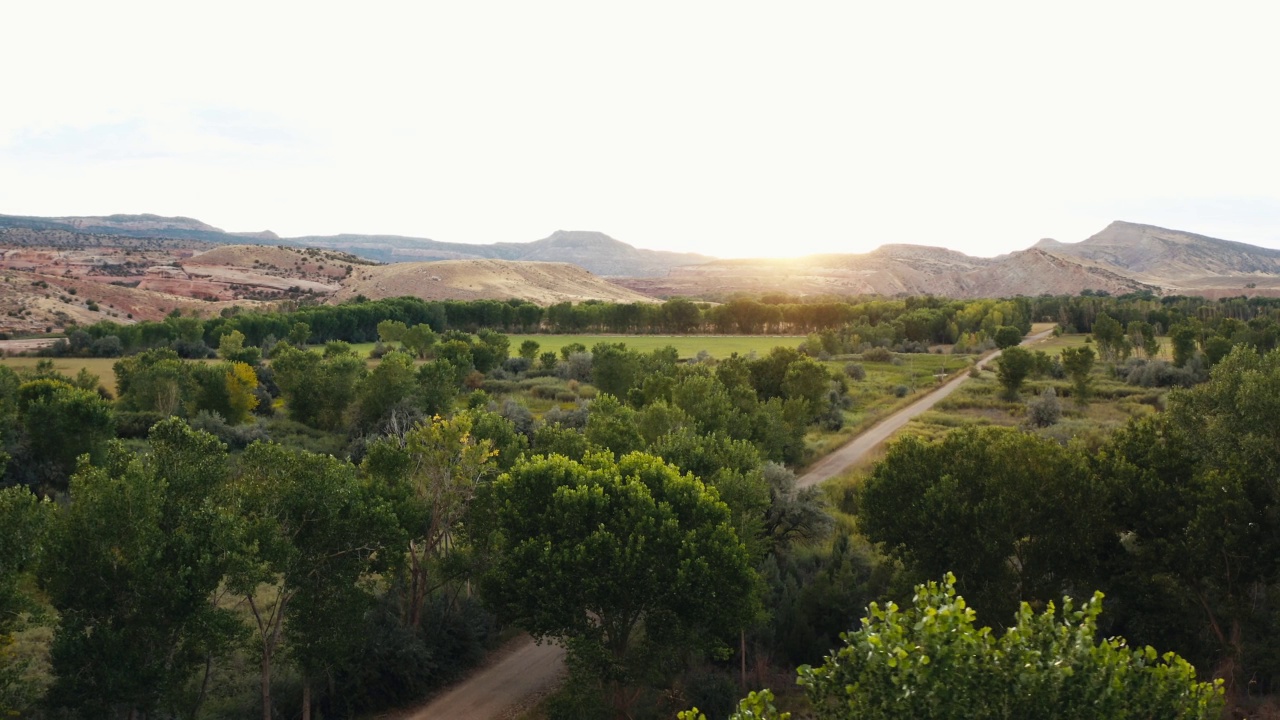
{"type": "Point", "coordinates": [71, 366]}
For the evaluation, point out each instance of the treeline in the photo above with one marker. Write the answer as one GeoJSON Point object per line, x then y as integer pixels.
{"type": "Point", "coordinates": [907, 325]}
{"type": "Point", "coordinates": [916, 321]}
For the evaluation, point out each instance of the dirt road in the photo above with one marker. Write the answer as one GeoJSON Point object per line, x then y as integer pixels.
{"type": "Point", "coordinates": [525, 671]}
{"type": "Point", "coordinates": [833, 464]}
{"type": "Point", "coordinates": [529, 670]}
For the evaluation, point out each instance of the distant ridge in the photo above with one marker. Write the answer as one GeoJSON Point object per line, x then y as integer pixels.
{"type": "Point", "coordinates": [1168, 257]}
{"type": "Point", "coordinates": [1123, 257]}
{"type": "Point", "coordinates": [592, 250]}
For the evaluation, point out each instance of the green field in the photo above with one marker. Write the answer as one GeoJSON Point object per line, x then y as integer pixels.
{"type": "Point", "coordinates": [71, 366]}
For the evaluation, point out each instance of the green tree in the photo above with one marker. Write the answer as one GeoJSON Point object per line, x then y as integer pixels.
{"type": "Point", "coordinates": [418, 340]}
{"type": "Point", "coordinates": [393, 382]}
{"type": "Point", "coordinates": [1195, 494]}
{"type": "Point", "coordinates": [613, 426]}
{"type": "Point", "coordinates": [930, 661]}
{"type": "Point", "coordinates": [988, 503]}
{"type": "Point", "coordinates": [133, 568]}
{"type": "Point", "coordinates": [614, 368]}
{"type": "Point", "coordinates": [627, 562]}
{"type": "Point", "coordinates": [1078, 364]}
{"type": "Point", "coordinates": [154, 381]}
{"type": "Point", "coordinates": [1182, 338]}
{"type": "Point", "coordinates": [24, 521]}
{"type": "Point", "coordinates": [431, 475]}
{"type": "Point", "coordinates": [312, 532]}
{"type": "Point", "coordinates": [1013, 367]}
{"type": "Point", "coordinates": [1007, 336]}
{"type": "Point", "coordinates": [61, 423]}
{"type": "Point", "coordinates": [529, 350]}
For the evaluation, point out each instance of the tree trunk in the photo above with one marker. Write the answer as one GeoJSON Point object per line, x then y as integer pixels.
{"type": "Point", "coordinates": [266, 683]}
{"type": "Point", "coordinates": [306, 697]}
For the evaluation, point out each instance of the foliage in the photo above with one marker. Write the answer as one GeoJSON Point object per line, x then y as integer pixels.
{"type": "Point", "coordinates": [315, 532]}
{"type": "Point", "coordinates": [626, 561]}
{"type": "Point", "coordinates": [989, 502]}
{"type": "Point", "coordinates": [150, 533]}
{"type": "Point", "coordinates": [1077, 362]}
{"type": "Point", "coordinates": [1014, 365]}
{"type": "Point", "coordinates": [430, 476]}
{"type": "Point", "coordinates": [1044, 410]}
{"type": "Point", "coordinates": [930, 660]}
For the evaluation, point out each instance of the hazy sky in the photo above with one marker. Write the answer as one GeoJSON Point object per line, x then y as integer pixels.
{"type": "Point", "coordinates": [729, 128]}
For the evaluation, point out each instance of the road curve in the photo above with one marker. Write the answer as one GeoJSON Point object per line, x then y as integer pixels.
{"type": "Point", "coordinates": [853, 451]}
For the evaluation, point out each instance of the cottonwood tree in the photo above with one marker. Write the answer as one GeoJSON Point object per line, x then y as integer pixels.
{"type": "Point", "coordinates": [1195, 492]}
{"type": "Point", "coordinates": [1013, 367]}
{"type": "Point", "coordinates": [430, 474]}
{"type": "Point", "coordinates": [626, 562]}
{"type": "Point", "coordinates": [24, 522]}
{"type": "Point", "coordinates": [311, 533]}
{"type": "Point", "coordinates": [133, 567]}
{"type": "Point", "coordinates": [988, 504]}
{"type": "Point", "coordinates": [1077, 362]}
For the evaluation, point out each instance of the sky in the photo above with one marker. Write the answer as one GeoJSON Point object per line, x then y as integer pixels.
{"type": "Point", "coordinates": [735, 129]}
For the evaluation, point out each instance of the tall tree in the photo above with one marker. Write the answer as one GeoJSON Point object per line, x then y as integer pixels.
{"type": "Point", "coordinates": [624, 561]}
{"type": "Point", "coordinates": [431, 475]}
{"type": "Point", "coordinates": [149, 531]}
{"type": "Point", "coordinates": [312, 532]}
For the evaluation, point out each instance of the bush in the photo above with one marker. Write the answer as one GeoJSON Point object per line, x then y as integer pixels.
{"type": "Point", "coordinates": [901, 391]}
{"type": "Point", "coordinates": [1160, 373]}
{"type": "Point", "coordinates": [135, 425]}
{"type": "Point", "coordinates": [1044, 410]}
{"type": "Point", "coordinates": [855, 371]}
{"type": "Point", "coordinates": [877, 354]}
{"type": "Point", "coordinates": [930, 661]}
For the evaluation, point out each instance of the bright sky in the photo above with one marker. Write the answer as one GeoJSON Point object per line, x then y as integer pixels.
{"type": "Point", "coordinates": [729, 128]}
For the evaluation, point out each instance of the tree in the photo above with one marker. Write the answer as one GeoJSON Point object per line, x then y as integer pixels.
{"type": "Point", "coordinates": [1195, 493]}
{"type": "Point", "coordinates": [988, 503]}
{"type": "Point", "coordinates": [930, 661]}
{"type": "Point", "coordinates": [313, 531]}
{"type": "Point", "coordinates": [1007, 336]}
{"type": "Point", "coordinates": [392, 382]}
{"type": "Point", "coordinates": [614, 368]}
{"type": "Point", "coordinates": [626, 562]}
{"type": "Point", "coordinates": [529, 350]}
{"type": "Point", "coordinates": [431, 475]}
{"type": "Point", "coordinates": [1182, 338]}
{"type": "Point", "coordinates": [150, 534]}
{"type": "Point", "coordinates": [1014, 366]}
{"type": "Point", "coordinates": [418, 340]}
{"type": "Point", "coordinates": [154, 381]}
{"type": "Point", "coordinates": [1109, 335]}
{"type": "Point", "coordinates": [23, 525]}
{"type": "Point", "coordinates": [1078, 364]}
{"type": "Point", "coordinates": [61, 423]}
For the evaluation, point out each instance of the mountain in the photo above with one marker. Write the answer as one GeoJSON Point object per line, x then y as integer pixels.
{"type": "Point", "coordinates": [894, 270]}
{"type": "Point", "coordinates": [594, 251]}
{"type": "Point", "coordinates": [1170, 258]}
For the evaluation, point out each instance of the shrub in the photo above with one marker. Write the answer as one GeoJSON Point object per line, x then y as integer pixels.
{"type": "Point", "coordinates": [877, 354]}
{"type": "Point", "coordinates": [1044, 410]}
{"type": "Point", "coordinates": [901, 391]}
